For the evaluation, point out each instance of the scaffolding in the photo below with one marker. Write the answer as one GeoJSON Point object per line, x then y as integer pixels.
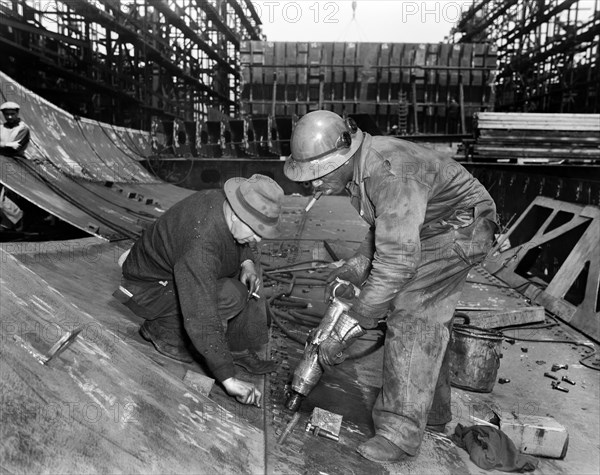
{"type": "Point", "coordinates": [390, 88]}
{"type": "Point", "coordinates": [129, 62]}
{"type": "Point", "coordinates": [548, 52]}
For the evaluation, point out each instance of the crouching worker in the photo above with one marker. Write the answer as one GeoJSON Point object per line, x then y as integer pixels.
{"type": "Point", "coordinates": [430, 222]}
{"type": "Point", "coordinates": [192, 276]}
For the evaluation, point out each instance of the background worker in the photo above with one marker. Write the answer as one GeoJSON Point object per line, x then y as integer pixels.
{"type": "Point", "coordinates": [192, 277]}
{"type": "Point", "coordinates": [14, 133]}
{"type": "Point", "coordinates": [14, 139]}
{"type": "Point", "coordinates": [430, 222]}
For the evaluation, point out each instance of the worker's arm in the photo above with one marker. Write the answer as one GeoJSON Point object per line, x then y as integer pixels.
{"type": "Point", "coordinates": [356, 269]}
{"type": "Point", "coordinates": [249, 276]}
{"type": "Point", "coordinates": [246, 253]}
{"type": "Point", "coordinates": [19, 142]}
{"type": "Point", "coordinates": [400, 205]}
{"type": "Point", "coordinates": [367, 247]}
{"type": "Point", "coordinates": [196, 282]}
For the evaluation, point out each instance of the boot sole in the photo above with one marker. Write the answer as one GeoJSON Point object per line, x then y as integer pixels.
{"type": "Point", "coordinates": [373, 459]}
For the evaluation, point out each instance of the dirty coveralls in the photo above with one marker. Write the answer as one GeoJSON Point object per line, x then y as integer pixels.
{"type": "Point", "coordinates": [183, 276]}
{"type": "Point", "coordinates": [431, 222]}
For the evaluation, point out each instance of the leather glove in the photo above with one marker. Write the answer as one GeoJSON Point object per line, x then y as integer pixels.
{"type": "Point", "coordinates": [345, 332]}
{"type": "Point", "coordinates": [331, 352]}
{"type": "Point", "coordinates": [355, 270]}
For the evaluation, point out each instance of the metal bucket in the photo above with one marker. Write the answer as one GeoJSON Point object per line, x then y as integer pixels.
{"type": "Point", "coordinates": [474, 358]}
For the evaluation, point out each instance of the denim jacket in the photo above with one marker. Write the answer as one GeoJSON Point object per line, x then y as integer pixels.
{"type": "Point", "coordinates": [406, 193]}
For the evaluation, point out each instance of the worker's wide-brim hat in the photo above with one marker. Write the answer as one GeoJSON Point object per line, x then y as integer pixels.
{"type": "Point", "coordinates": [309, 170]}
{"type": "Point", "coordinates": [257, 202]}
{"type": "Point", "coordinates": [10, 105]}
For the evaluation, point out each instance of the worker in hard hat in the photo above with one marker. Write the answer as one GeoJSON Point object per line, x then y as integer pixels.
{"type": "Point", "coordinates": [14, 133]}
{"type": "Point", "coordinates": [192, 276]}
{"type": "Point", "coordinates": [430, 222]}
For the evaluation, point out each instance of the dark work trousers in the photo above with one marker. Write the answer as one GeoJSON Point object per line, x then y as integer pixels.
{"type": "Point", "coordinates": [416, 380]}
{"type": "Point", "coordinates": [245, 321]}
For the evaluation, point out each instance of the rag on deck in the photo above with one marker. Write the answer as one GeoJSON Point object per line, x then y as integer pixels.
{"type": "Point", "coordinates": [490, 448]}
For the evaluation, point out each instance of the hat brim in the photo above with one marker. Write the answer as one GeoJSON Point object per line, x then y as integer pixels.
{"type": "Point", "coordinates": [260, 228]}
{"type": "Point", "coordinates": [312, 170]}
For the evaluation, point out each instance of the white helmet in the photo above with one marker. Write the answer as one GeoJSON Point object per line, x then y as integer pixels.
{"type": "Point", "coordinates": [322, 141]}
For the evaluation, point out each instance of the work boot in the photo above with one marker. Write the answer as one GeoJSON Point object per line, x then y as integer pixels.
{"type": "Point", "coordinates": [250, 361]}
{"type": "Point", "coordinates": [440, 428]}
{"type": "Point", "coordinates": [175, 350]}
{"type": "Point", "coordinates": [379, 449]}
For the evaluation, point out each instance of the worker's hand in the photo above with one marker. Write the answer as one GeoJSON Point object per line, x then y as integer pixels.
{"type": "Point", "coordinates": [244, 392]}
{"type": "Point", "coordinates": [355, 270]}
{"type": "Point", "coordinates": [343, 334]}
{"type": "Point", "coordinates": [13, 145]}
{"type": "Point", "coordinates": [249, 277]}
{"type": "Point", "coordinates": [331, 352]}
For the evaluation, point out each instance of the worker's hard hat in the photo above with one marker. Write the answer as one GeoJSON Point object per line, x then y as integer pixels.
{"type": "Point", "coordinates": [10, 106]}
{"type": "Point", "coordinates": [322, 141]}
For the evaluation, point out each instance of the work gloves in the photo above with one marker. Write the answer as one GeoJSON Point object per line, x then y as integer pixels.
{"type": "Point", "coordinates": [355, 270]}
{"type": "Point", "coordinates": [345, 332]}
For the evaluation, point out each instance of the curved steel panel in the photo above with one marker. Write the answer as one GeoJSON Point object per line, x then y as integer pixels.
{"type": "Point", "coordinates": [85, 172]}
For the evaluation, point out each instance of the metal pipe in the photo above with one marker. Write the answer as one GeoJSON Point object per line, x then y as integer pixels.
{"type": "Point", "coordinates": [289, 428]}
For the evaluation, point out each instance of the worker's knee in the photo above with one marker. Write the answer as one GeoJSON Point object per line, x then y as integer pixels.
{"type": "Point", "coordinates": [231, 297]}
{"type": "Point", "coordinates": [420, 331]}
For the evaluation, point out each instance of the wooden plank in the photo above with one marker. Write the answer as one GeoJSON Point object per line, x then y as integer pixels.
{"type": "Point", "coordinates": [544, 122]}
{"type": "Point", "coordinates": [521, 135]}
{"type": "Point", "coordinates": [539, 152]}
{"type": "Point", "coordinates": [504, 317]}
